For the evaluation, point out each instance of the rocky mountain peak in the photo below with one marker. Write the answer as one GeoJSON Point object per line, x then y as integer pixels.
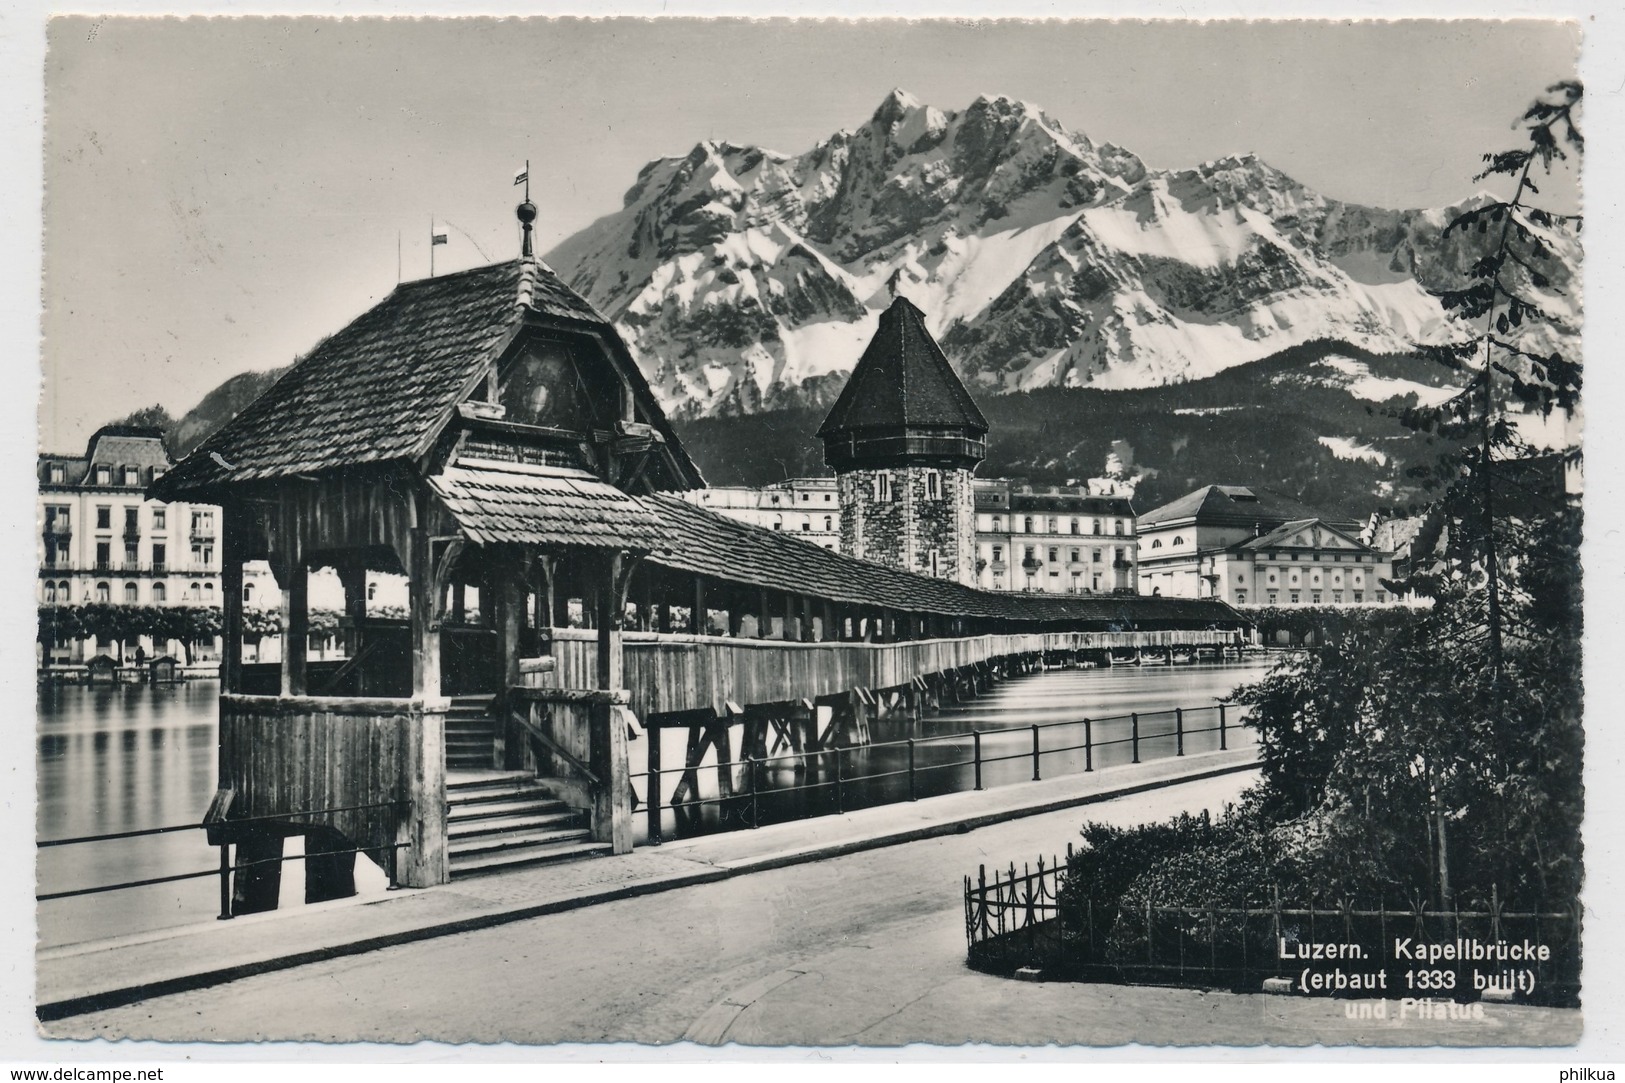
{"type": "Point", "coordinates": [745, 278]}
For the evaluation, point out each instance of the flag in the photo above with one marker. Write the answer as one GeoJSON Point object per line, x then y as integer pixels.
{"type": "Point", "coordinates": [522, 176]}
{"type": "Point", "coordinates": [437, 238]}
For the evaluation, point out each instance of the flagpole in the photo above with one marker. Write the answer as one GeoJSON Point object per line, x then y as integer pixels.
{"type": "Point", "coordinates": [431, 246]}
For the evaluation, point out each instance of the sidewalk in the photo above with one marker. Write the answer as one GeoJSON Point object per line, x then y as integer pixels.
{"type": "Point", "coordinates": [79, 978]}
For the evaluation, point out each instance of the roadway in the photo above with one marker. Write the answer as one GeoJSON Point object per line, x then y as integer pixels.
{"type": "Point", "coordinates": [865, 949]}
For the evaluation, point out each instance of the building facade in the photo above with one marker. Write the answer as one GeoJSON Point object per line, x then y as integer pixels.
{"type": "Point", "coordinates": [101, 540]}
{"type": "Point", "coordinates": [806, 507]}
{"type": "Point", "coordinates": [903, 439]}
{"type": "Point", "coordinates": [1248, 546]}
{"type": "Point", "coordinates": [1055, 539]}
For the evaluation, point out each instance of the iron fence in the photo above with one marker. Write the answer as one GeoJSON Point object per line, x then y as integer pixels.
{"type": "Point", "coordinates": [1027, 920]}
{"type": "Point", "coordinates": [226, 868]}
{"type": "Point", "coordinates": [840, 777]}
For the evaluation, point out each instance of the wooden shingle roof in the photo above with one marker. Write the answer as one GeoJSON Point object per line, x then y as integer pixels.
{"type": "Point", "coordinates": [383, 387]}
{"type": "Point", "coordinates": [531, 505]}
{"type": "Point", "coordinates": [701, 541]}
{"type": "Point", "coordinates": [903, 380]}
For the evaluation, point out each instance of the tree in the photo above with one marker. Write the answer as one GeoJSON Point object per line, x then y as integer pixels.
{"type": "Point", "coordinates": [1513, 300]}
{"type": "Point", "coordinates": [1461, 726]}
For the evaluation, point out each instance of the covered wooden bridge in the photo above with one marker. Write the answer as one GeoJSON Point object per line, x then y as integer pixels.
{"type": "Point", "coordinates": [487, 434]}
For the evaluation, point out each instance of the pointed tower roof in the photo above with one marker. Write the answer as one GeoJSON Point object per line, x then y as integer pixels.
{"type": "Point", "coordinates": [903, 380]}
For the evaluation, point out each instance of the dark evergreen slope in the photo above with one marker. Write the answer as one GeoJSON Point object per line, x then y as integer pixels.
{"type": "Point", "coordinates": [1260, 424]}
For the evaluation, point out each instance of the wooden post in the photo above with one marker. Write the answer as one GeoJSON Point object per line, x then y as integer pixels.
{"type": "Point", "coordinates": [506, 585]}
{"type": "Point", "coordinates": [700, 622]}
{"type": "Point", "coordinates": [651, 787]}
{"type": "Point", "coordinates": [425, 861]}
{"type": "Point", "coordinates": [425, 619]}
{"type": "Point", "coordinates": [295, 622]}
{"type": "Point", "coordinates": [232, 543]}
{"type": "Point", "coordinates": [612, 798]}
{"type": "Point", "coordinates": [353, 578]}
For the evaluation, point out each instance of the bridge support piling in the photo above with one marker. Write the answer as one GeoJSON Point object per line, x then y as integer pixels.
{"type": "Point", "coordinates": [259, 874]}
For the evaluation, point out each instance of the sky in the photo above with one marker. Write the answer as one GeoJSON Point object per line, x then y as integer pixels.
{"type": "Point", "coordinates": [221, 194]}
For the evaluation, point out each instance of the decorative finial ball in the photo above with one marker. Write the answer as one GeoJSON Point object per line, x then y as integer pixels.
{"type": "Point", "coordinates": [526, 212]}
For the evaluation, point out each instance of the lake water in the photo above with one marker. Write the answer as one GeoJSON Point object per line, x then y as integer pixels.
{"type": "Point", "coordinates": [130, 757]}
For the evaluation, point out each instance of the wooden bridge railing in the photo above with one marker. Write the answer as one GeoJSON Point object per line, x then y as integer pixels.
{"type": "Point", "coordinates": [671, 673]}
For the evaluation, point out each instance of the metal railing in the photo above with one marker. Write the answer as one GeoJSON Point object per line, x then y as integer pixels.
{"type": "Point", "coordinates": [829, 765]}
{"type": "Point", "coordinates": [226, 867]}
{"type": "Point", "coordinates": [1022, 919]}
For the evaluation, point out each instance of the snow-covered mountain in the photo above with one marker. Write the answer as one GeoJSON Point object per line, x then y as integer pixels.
{"type": "Point", "coordinates": [744, 278]}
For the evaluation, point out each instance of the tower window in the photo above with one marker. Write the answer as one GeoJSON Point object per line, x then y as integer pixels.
{"type": "Point", "coordinates": [933, 488]}
{"type": "Point", "coordinates": [1027, 524]}
{"type": "Point", "coordinates": [1075, 526]}
{"type": "Point", "coordinates": [883, 493]}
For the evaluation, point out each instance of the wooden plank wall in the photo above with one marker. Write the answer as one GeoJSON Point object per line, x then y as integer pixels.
{"type": "Point", "coordinates": [285, 755]}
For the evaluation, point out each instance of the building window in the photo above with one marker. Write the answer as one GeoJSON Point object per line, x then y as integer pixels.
{"type": "Point", "coordinates": [1241, 597]}
{"type": "Point", "coordinates": [208, 593]}
{"type": "Point", "coordinates": [1031, 556]}
{"type": "Point", "coordinates": [131, 556]}
{"type": "Point", "coordinates": [778, 522]}
{"type": "Point", "coordinates": [1337, 597]}
{"type": "Point", "coordinates": [1077, 528]}
{"type": "Point", "coordinates": [936, 568]}
{"type": "Point", "coordinates": [1292, 596]}
{"type": "Point", "coordinates": [104, 475]}
{"type": "Point", "coordinates": [1054, 554]}
{"type": "Point", "coordinates": [158, 519]}
{"type": "Point", "coordinates": [194, 592]}
{"type": "Point", "coordinates": [159, 593]}
{"type": "Point", "coordinates": [1119, 527]}
{"type": "Point", "coordinates": [1272, 597]}
{"type": "Point", "coordinates": [1027, 525]}
{"type": "Point", "coordinates": [104, 555]}
{"type": "Point", "coordinates": [998, 554]}
{"type": "Point", "coordinates": [50, 592]}
{"type": "Point", "coordinates": [1077, 555]}
{"type": "Point", "coordinates": [1359, 596]}
{"type": "Point", "coordinates": [1381, 597]}
{"type": "Point", "coordinates": [1177, 540]}
{"type": "Point", "coordinates": [62, 553]}
{"type": "Point", "coordinates": [132, 476]}
{"type": "Point", "coordinates": [1054, 525]}
{"type": "Point", "coordinates": [1156, 543]}
{"type": "Point", "coordinates": [59, 474]}
{"type": "Point", "coordinates": [998, 522]}
{"type": "Point", "coordinates": [160, 555]}
{"type": "Point", "coordinates": [104, 592]}
{"type": "Point", "coordinates": [1097, 526]}
{"type": "Point", "coordinates": [883, 493]}
{"type": "Point", "coordinates": [104, 518]}
{"type": "Point", "coordinates": [1095, 581]}
{"type": "Point", "coordinates": [805, 497]}
{"type": "Point", "coordinates": [372, 592]}
{"type": "Point", "coordinates": [806, 525]}
{"type": "Point", "coordinates": [1095, 556]}
{"type": "Point", "coordinates": [132, 522]}
{"type": "Point", "coordinates": [828, 524]}
{"type": "Point", "coordinates": [131, 594]}
{"type": "Point", "coordinates": [933, 486]}
{"type": "Point", "coordinates": [1314, 597]}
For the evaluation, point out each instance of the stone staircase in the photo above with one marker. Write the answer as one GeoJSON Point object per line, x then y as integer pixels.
{"type": "Point", "coordinates": [470, 734]}
{"type": "Point", "coordinates": [499, 820]}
